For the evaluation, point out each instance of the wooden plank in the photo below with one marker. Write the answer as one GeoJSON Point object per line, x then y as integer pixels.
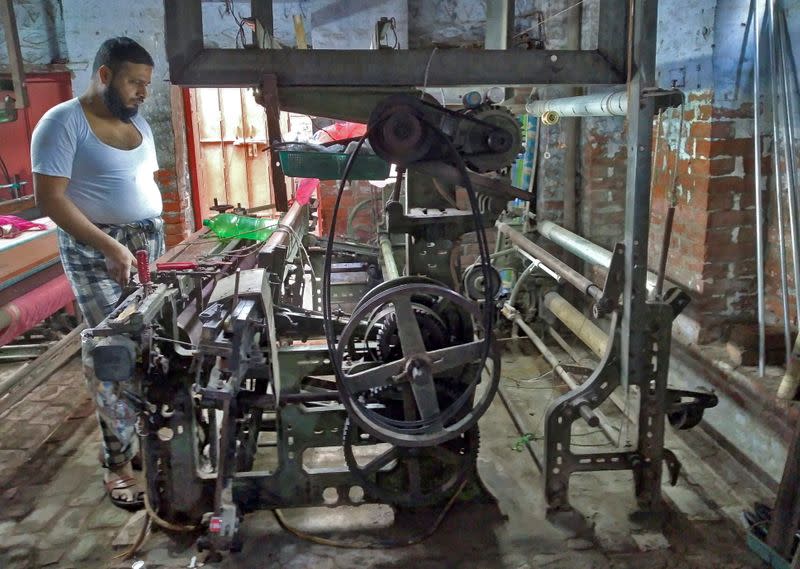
{"type": "Point", "coordinates": [230, 109]}
{"type": "Point", "coordinates": [17, 386]}
{"type": "Point", "coordinates": [269, 93]}
{"type": "Point", "coordinates": [213, 175]}
{"type": "Point", "coordinates": [236, 175]}
{"type": "Point", "coordinates": [300, 32]}
{"type": "Point", "coordinates": [255, 120]}
{"type": "Point", "coordinates": [209, 119]}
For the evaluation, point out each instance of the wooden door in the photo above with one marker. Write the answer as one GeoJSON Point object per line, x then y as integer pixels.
{"type": "Point", "coordinates": [229, 138]}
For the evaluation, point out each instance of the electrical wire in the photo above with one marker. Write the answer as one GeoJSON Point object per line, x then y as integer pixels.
{"type": "Point", "coordinates": [541, 23]}
{"type": "Point", "coordinates": [427, 69]}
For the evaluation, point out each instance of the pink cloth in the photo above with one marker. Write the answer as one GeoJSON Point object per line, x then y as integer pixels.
{"type": "Point", "coordinates": [340, 131]}
{"type": "Point", "coordinates": [31, 308]}
{"type": "Point", "coordinates": [336, 131]}
{"type": "Point", "coordinates": [11, 226]}
{"type": "Point", "coordinates": [306, 189]}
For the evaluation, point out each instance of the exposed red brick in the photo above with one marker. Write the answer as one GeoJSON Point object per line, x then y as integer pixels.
{"type": "Point", "coordinates": [704, 112]}
{"type": "Point", "coordinates": [705, 96]}
{"type": "Point", "coordinates": [722, 166]}
{"type": "Point", "coordinates": [175, 229]}
{"type": "Point", "coordinates": [733, 147]}
{"type": "Point", "coordinates": [735, 218]}
{"type": "Point", "coordinates": [173, 206]}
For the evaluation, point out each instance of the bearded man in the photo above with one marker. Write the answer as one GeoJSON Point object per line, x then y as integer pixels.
{"type": "Point", "coordinates": [93, 160]}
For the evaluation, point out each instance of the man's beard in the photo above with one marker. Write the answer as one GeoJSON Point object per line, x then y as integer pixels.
{"type": "Point", "coordinates": [115, 105]}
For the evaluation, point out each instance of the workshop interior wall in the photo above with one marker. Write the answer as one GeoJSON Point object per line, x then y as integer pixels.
{"type": "Point", "coordinates": [707, 52]}
{"type": "Point", "coordinates": [704, 50]}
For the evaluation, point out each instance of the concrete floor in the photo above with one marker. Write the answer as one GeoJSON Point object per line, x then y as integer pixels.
{"type": "Point", "coordinates": [53, 511]}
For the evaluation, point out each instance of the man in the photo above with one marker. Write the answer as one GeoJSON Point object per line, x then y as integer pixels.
{"type": "Point", "coordinates": [93, 160]}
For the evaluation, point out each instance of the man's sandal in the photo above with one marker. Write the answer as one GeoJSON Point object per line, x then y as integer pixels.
{"type": "Point", "coordinates": [125, 483]}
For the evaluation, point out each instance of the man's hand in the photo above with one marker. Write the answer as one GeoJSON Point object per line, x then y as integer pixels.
{"type": "Point", "coordinates": [120, 262]}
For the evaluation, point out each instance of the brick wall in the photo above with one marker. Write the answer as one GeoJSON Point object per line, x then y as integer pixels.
{"type": "Point", "coordinates": [602, 171]}
{"type": "Point", "coordinates": [358, 195]}
{"type": "Point", "coordinates": [712, 249]}
{"type": "Point", "coordinates": [177, 208]}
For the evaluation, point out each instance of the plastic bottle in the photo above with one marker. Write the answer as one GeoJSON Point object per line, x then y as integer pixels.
{"type": "Point", "coordinates": [230, 225]}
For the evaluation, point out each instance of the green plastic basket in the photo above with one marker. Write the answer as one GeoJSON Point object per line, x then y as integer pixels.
{"type": "Point", "coordinates": [330, 166]}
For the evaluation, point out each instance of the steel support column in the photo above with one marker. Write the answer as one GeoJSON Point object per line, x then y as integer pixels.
{"type": "Point", "coordinates": [643, 324]}
{"type": "Point", "coordinates": [183, 36]}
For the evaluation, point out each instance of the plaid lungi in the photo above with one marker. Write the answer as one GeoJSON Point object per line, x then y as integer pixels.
{"type": "Point", "coordinates": [97, 294]}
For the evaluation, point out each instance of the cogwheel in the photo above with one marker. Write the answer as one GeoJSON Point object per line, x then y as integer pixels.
{"type": "Point", "coordinates": [411, 477]}
{"type": "Point", "coordinates": [434, 333]}
{"type": "Point", "coordinates": [474, 140]}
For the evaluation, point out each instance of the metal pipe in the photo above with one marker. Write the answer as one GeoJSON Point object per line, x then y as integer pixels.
{"type": "Point", "coordinates": [512, 298]}
{"type": "Point", "coordinates": [594, 417]}
{"type": "Point", "coordinates": [570, 275]}
{"type": "Point", "coordinates": [519, 423]}
{"type": "Point", "coordinates": [570, 351]}
{"type": "Point", "coordinates": [787, 337]}
{"type": "Point", "coordinates": [388, 257]}
{"type": "Point", "coordinates": [788, 158]}
{"type": "Point", "coordinates": [575, 244]}
{"type": "Point", "coordinates": [594, 338]}
{"type": "Point", "coordinates": [599, 105]}
{"type": "Point", "coordinates": [582, 248]}
{"type": "Point", "coordinates": [574, 355]}
{"type": "Point", "coordinates": [758, 189]}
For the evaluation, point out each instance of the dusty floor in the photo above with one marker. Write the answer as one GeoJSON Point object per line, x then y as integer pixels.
{"type": "Point", "coordinates": [53, 512]}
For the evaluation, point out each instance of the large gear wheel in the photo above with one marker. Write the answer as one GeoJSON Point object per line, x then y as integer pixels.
{"type": "Point", "coordinates": [419, 371]}
{"type": "Point", "coordinates": [412, 477]}
{"type": "Point", "coordinates": [507, 139]}
{"type": "Point", "coordinates": [434, 334]}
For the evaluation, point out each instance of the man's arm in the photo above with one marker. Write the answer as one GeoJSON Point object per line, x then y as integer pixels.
{"type": "Point", "coordinates": [51, 197]}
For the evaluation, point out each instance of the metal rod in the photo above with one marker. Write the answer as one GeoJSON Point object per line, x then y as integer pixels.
{"type": "Point", "coordinates": [788, 158]}
{"type": "Point", "coordinates": [512, 298]}
{"type": "Point", "coordinates": [563, 343]}
{"type": "Point", "coordinates": [599, 105]}
{"type": "Point", "coordinates": [758, 196]}
{"type": "Point", "coordinates": [595, 417]}
{"type": "Point", "coordinates": [777, 179]}
{"type": "Point", "coordinates": [388, 258]}
{"type": "Point", "coordinates": [614, 398]}
{"type": "Point", "coordinates": [519, 424]}
{"type": "Point", "coordinates": [594, 338]}
{"type": "Point", "coordinates": [570, 275]}
{"type": "Point", "coordinates": [575, 244]}
{"type": "Point", "coordinates": [582, 248]}
{"type": "Point", "coordinates": [662, 260]}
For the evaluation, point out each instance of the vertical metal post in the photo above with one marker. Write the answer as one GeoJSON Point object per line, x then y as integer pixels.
{"type": "Point", "coordinates": [646, 328]}
{"type": "Point", "coordinates": [634, 362]}
{"type": "Point", "coordinates": [758, 189]}
{"type": "Point", "coordinates": [183, 35]}
{"type": "Point", "coordinates": [14, 53]}
{"type": "Point", "coordinates": [789, 158]}
{"type": "Point", "coordinates": [777, 178]}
